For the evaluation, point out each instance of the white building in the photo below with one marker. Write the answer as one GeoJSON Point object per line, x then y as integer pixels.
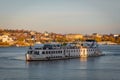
{"type": "Point", "coordinates": [6, 38]}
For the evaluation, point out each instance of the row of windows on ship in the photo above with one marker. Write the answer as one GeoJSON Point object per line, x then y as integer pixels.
{"type": "Point", "coordinates": [62, 56]}
{"type": "Point", "coordinates": [60, 52]}
{"type": "Point", "coordinates": [58, 48]}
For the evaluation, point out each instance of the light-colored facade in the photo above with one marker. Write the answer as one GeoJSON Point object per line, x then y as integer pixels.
{"type": "Point", "coordinates": [74, 36]}
{"type": "Point", "coordinates": [6, 38]}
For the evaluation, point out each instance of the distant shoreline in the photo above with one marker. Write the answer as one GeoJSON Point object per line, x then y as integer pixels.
{"type": "Point", "coordinates": [28, 46]}
{"type": "Point", "coordinates": [12, 46]}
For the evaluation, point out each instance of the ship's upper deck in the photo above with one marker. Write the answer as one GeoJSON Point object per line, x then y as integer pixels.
{"type": "Point", "coordinates": [86, 44]}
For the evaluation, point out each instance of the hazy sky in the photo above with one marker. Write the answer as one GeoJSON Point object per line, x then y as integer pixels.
{"type": "Point", "coordinates": [61, 16]}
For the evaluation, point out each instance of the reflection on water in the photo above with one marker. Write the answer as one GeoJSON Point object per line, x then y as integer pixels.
{"type": "Point", "coordinates": [57, 62]}
{"type": "Point", "coordinates": [83, 59]}
{"type": "Point", "coordinates": [51, 62]}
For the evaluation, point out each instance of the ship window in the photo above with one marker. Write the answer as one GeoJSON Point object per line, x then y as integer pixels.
{"type": "Point", "coordinates": [59, 51]}
{"type": "Point", "coordinates": [43, 52]}
{"type": "Point", "coordinates": [46, 52]}
{"type": "Point", "coordinates": [36, 52]}
{"type": "Point", "coordinates": [71, 50]}
{"type": "Point", "coordinates": [51, 52]}
{"type": "Point", "coordinates": [29, 52]}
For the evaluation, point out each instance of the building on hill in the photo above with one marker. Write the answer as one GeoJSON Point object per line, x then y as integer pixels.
{"type": "Point", "coordinates": [6, 38]}
{"type": "Point", "coordinates": [74, 36]}
{"type": "Point", "coordinates": [96, 35]}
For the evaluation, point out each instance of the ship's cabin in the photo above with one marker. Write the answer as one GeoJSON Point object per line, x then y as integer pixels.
{"type": "Point", "coordinates": [45, 46]}
{"type": "Point", "coordinates": [90, 44]}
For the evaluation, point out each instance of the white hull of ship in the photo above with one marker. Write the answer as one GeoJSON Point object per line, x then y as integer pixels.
{"type": "Point", "coordinates": [32, 57]}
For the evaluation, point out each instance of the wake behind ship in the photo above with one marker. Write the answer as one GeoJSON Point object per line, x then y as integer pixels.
{"type": "Point", "coordinates": [54, 51]}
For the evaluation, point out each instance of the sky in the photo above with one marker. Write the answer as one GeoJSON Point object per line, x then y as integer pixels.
{"type": "Point", "coordinates": [61, 16]}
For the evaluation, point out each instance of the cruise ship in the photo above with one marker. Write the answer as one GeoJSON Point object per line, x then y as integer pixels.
{"type": "Point", "coordinates": [55, 51]}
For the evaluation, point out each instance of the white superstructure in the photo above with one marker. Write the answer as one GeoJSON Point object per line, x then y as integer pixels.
{"type": "Point", "coordinates": [57, 51]}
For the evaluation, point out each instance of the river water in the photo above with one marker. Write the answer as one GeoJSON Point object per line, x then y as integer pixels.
{"type": "Point", "coordinates": [14, 67]}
